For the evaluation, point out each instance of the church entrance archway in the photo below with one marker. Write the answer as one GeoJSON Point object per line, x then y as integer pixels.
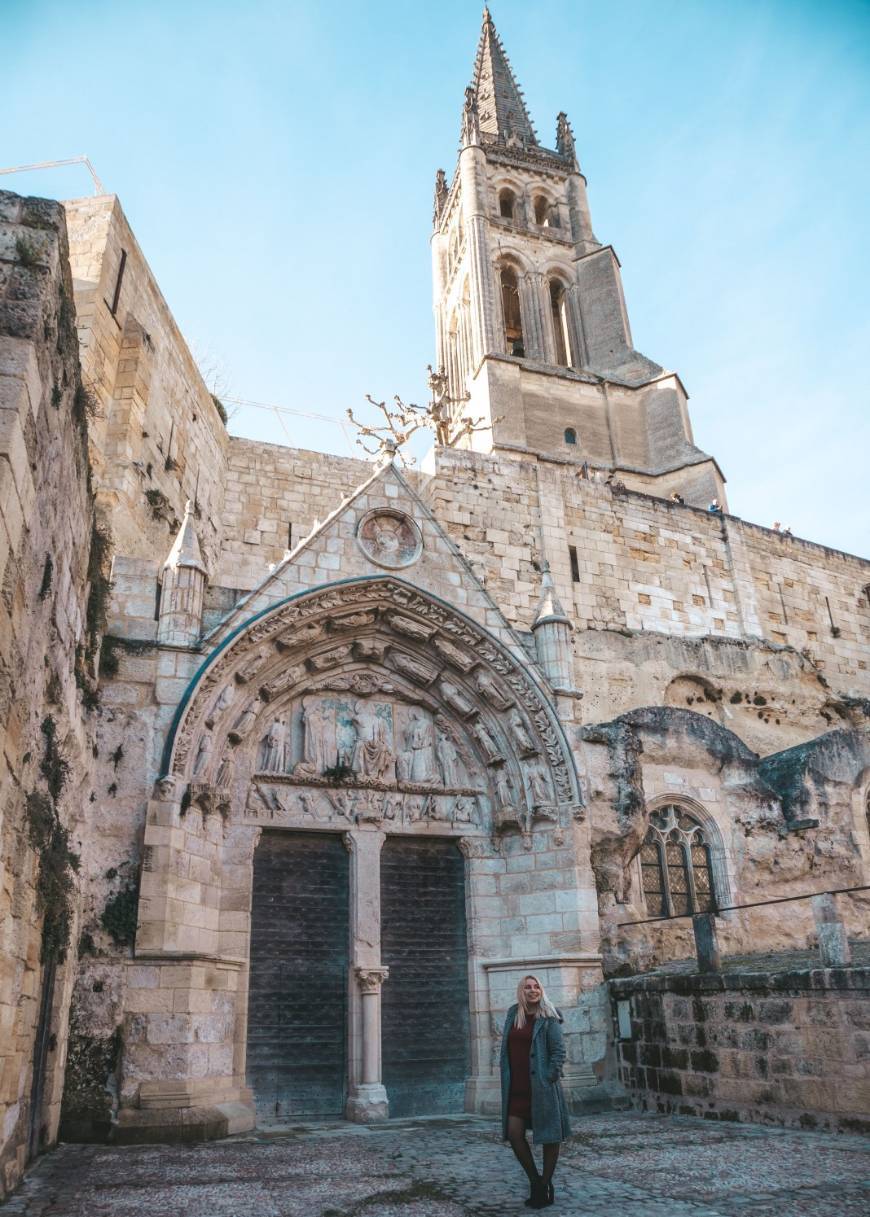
{"type": "Point", "coordinates": [425, 1001]}
{"type": "Point", "coordinates": [369, 717]}
{"type": "Point", "coordinates": [297, 1003]}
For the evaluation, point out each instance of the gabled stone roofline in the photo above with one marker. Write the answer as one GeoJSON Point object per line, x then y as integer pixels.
{"type": "Point", "coordinates": [382, 471]}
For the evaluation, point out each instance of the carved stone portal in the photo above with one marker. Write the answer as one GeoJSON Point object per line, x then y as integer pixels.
{"type": "Point", "coordinates": [369, 703]}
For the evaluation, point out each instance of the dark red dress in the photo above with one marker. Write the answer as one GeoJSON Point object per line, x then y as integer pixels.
{"type": "Point", "coordinates": [519, 1049]}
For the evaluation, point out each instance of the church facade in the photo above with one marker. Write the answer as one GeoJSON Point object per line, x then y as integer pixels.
{"type": "Point", "coordinates": [346, 749]}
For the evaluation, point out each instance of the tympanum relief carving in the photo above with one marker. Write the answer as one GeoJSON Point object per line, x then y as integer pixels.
{"type": "Point", "coordinates": [370, 703]}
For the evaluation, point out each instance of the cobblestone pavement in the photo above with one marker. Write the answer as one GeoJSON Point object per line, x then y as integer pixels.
{"type": "Point", "coordinates": [618, 1165]}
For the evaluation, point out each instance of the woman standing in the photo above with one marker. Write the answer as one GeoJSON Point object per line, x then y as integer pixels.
{"type": "Point", "coordinates": [532, 1056]}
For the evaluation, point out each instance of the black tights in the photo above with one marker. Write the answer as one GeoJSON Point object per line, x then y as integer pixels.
{"type": "Point", "coordinates": [525, 1157]}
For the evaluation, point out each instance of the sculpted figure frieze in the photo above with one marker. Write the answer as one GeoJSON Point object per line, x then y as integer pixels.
{"type": "Point", "coordinates": [418, 734]}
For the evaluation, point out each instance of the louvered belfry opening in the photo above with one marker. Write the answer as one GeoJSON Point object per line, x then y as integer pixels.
{"type": "Point", "coordinates": [297, 1008]}
{"type": "Point", "coordinates": [425, 1018]}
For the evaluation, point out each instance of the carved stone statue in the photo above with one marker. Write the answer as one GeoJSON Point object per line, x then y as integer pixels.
{"type": "Point", "coordinates": [419, 753]}
{"type": "Point", "coordinates": [491, 691]}
{"type": "Point", "coordinates": [375, 754]}
{"type": "Point", "coordinates": [245, 722]}
{"type": "Point", "coordinates": [504, 790]}
{"type": "Point", "coordinates": [456, 698]}
{"type": "Point", "coordinates": [441, 192]}
{"type": "Point", "coordinates": [273, 749]}
{"type": "Point", "coordinates": [420, 673]}
{"type": "Point", "coordinates": [491, 750]}
{"type": "Point", "coordinates": [450, 761]}
{"type": "Point", "coordinates": [463, 810]}
{"type": "Point", "coordinates": [222, 701]}
{"type": "Point", "coordinates": [470, 119]}
{"type": "Point", "coordinates": [314, 759]}
{"type": "Point", "coordinates": [539, 786]}
{"type": "Point", "coordinates": [329, 659]}
{"type": "Point", "coordinates": [453, 654]}
{"type": "Point", "coordinates": [224, 775]}
{"type": "Point", "coordinates": [520, 733]}
{"type": "Point", "coordinates": [410, 628]}
{"type": "Point", "coordinates": [202, 755]}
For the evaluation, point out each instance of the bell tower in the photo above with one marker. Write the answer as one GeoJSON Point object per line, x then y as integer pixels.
{"type": "Point", "coordinates": [530, 319]}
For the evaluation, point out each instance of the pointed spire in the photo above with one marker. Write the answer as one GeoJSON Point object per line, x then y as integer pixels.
{"type": "Point", "coordinates": [185, 549]}
{"type": "Point", "coordinates": [549, 609]}
{"type": "Point", "coordinates": [503, 116]}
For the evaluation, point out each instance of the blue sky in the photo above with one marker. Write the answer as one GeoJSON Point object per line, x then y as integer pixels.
{"type": "Point", "coordinates": [276, 162]}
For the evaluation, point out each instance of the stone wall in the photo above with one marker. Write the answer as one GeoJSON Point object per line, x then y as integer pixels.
{"type": "Point", "coordinates": [159, 439]}
{"type": "Point", "coordinates": [776, 1048]}
{"type": "Point", "coordinates": [274, 497]}
{"type": "Point", "coordinates": [51, 603]}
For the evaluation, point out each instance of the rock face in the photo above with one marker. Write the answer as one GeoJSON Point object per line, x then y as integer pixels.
{"type": "Point", "coordinates": [592, 709]}
{"type": "Point", "coordinates": [54, 568]}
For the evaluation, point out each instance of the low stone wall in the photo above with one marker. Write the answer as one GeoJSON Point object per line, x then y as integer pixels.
{"type": "Point", "coordinates": [789, 1048]}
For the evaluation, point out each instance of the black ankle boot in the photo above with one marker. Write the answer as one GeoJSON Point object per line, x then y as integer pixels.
{"type": "Point", "coordinates": [551, 1193]}
{"type": "Point", "coordinates": [538, 1197]}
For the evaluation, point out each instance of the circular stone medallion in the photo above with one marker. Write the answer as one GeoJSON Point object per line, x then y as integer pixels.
{"type": "Point", "coordinates": [389, 538]}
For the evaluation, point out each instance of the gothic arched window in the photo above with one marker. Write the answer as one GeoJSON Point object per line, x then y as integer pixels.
{"type": "Point", "coordinates": [546, 213]}
{"type": "Point", "coordinates": [675, 866]}
{"type": "Point", "coordinates": [559, 314]}
{"type": "Point", "coordinates": [570, 436]}
{"type": "Point", "coordinates": [507, 202]}
{"type": "Point", "coordinates": [510, 302]}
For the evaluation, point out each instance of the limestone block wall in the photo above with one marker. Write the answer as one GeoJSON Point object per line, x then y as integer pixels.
{"type": "Point", "coordinates": [273, 498]}
{"type": "Point", "coordinates": [159, 439]}
{"type": "Point", "coordinates": [774, 1048]}
{"type": "Point", "coordinates": [49, 636]}
{"type": "Point", "coordinates": [647, 566]}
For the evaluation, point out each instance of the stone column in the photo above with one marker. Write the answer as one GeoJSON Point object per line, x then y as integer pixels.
{"type": "Point", "coordinates": [536, 317]}
{"type": "Point", "coordinates": [482, 1087]}
{"type": "Point", "coordinates": [575, 327]}
{"type": "Point", "coordinates": [367, 1098]}
{"type": "Point", "coordinates": [472, 169]}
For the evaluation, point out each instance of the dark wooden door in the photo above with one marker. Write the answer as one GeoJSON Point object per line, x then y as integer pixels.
{"type": "Point", "coordinates": [297, 1007]}
{"type": "Point", "coordinates": [425, 1020]}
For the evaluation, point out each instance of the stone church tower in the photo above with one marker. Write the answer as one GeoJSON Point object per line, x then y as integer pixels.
{"type": "Point", "coordinates": [307, 761]}
{"type": "Point", "coordinates": [530, 318]}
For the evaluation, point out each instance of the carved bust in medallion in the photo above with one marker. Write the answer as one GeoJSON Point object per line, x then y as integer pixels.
{"type": "Point", "coordinates": [389, 538]}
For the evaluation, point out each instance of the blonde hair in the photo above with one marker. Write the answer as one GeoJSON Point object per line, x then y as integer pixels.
{"type": "Point", "coordinates": [546, 1009]}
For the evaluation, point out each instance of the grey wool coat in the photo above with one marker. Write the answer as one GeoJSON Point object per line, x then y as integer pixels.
{"type": "Point", "coordinates": [549, 1110]}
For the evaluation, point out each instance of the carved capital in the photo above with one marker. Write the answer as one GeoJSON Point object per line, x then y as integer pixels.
{"type": "Point", "coordinates": [166, 788]}
{"type": "Point", "coordinates": [371, 979]}
{"type": "Point", "coordinates": [475, 847]}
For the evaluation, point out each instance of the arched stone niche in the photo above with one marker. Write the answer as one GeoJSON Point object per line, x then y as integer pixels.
{"type": "Point", "coordinates": [369, 702]}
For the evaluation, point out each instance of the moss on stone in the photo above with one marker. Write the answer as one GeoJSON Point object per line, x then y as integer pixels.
{"type": "Point", "coordinates": [120, 915]}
